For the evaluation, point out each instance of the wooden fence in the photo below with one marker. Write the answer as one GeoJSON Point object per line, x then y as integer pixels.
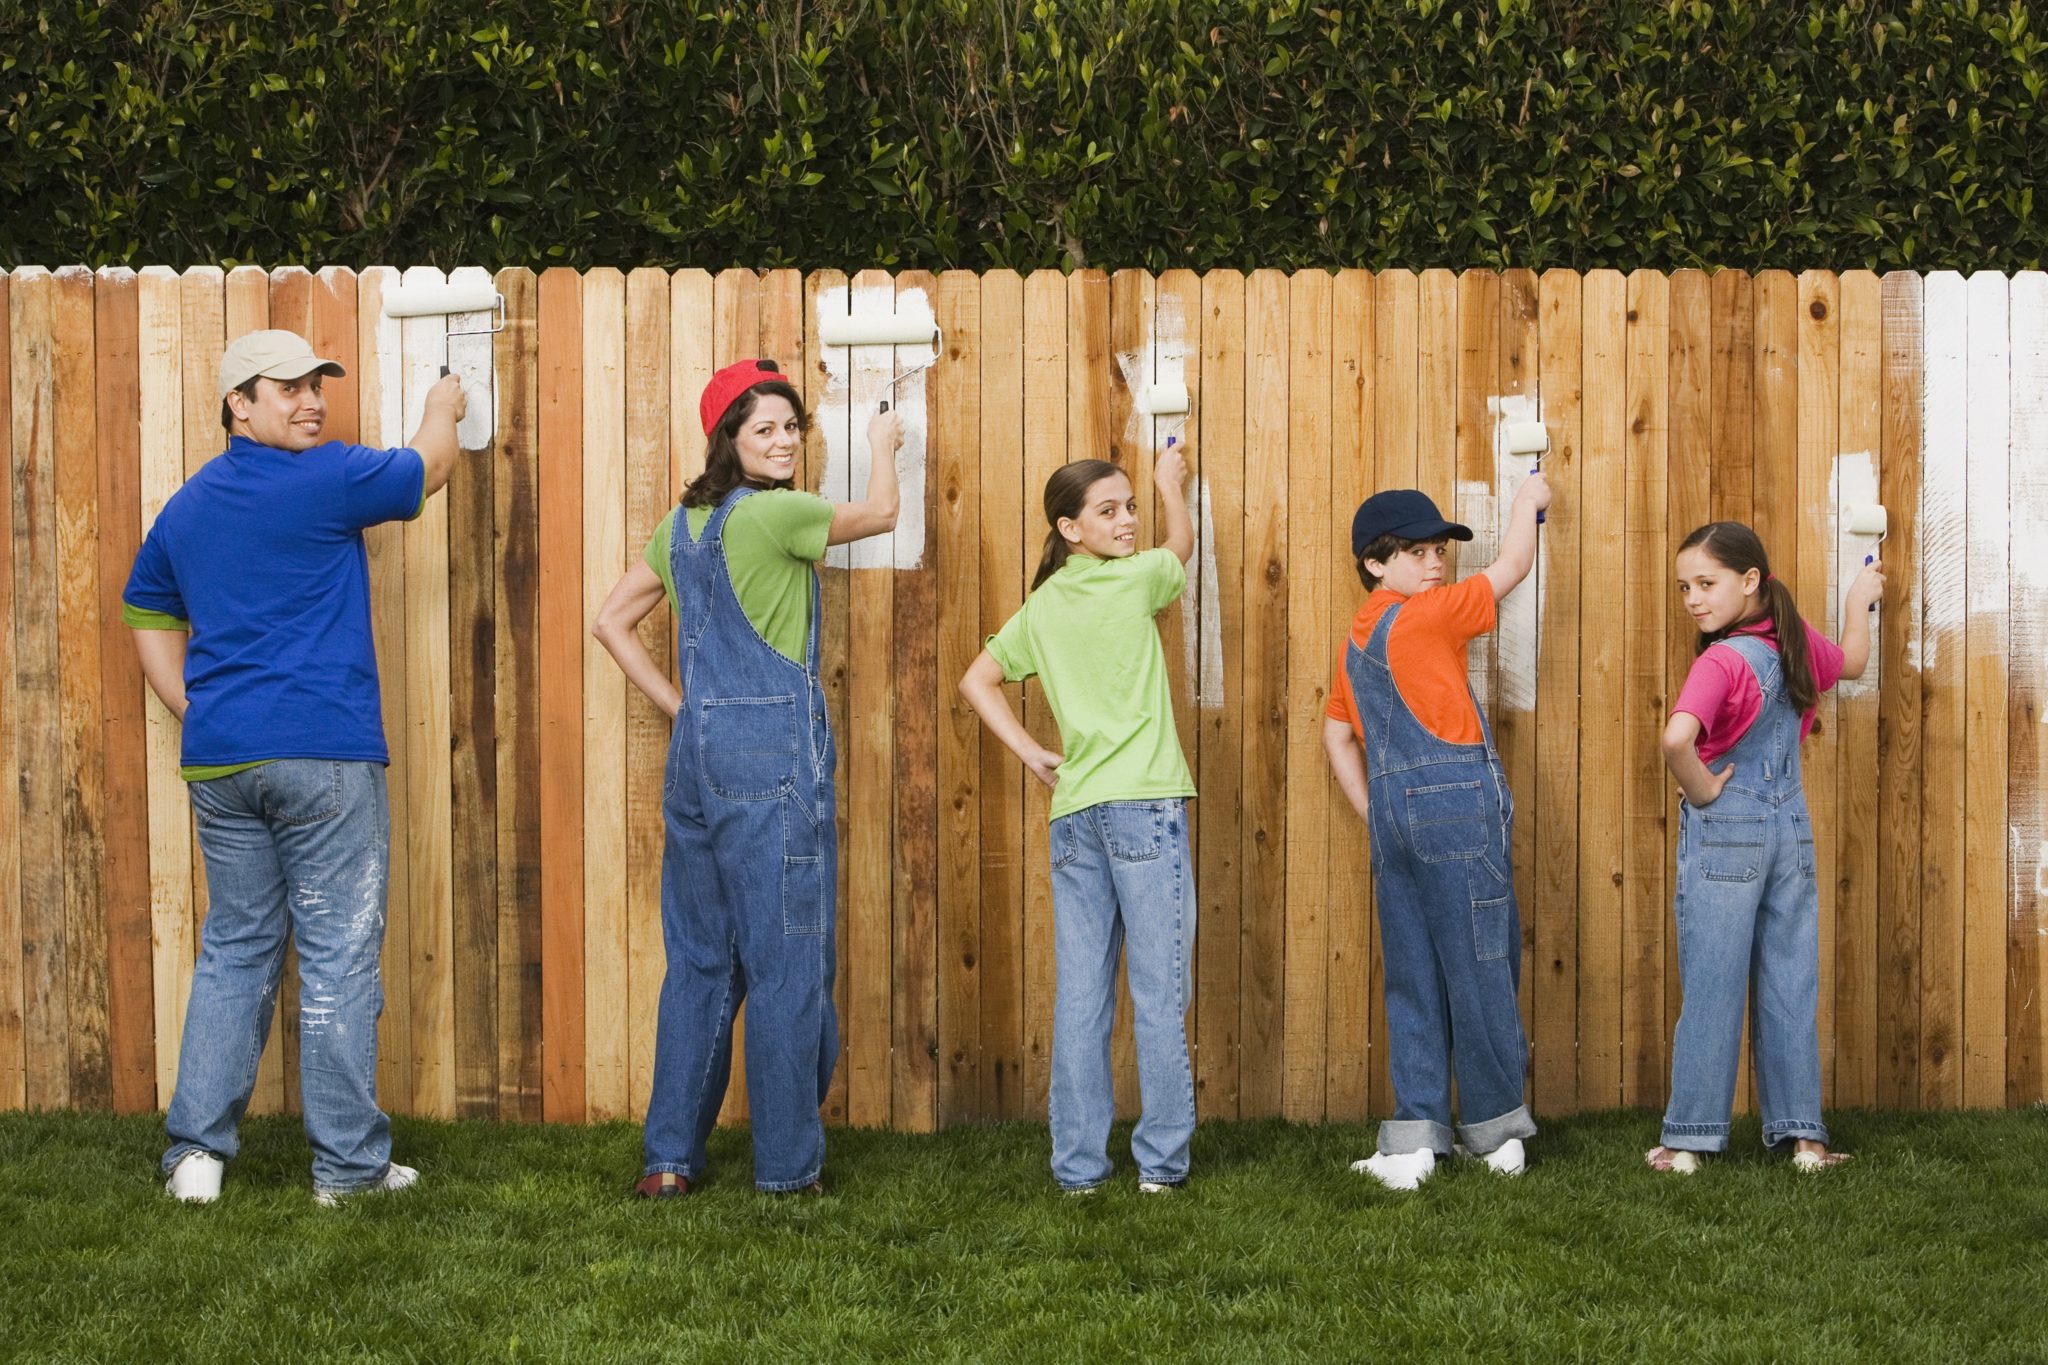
{"type": "Point", "coordinates": [523, 954]}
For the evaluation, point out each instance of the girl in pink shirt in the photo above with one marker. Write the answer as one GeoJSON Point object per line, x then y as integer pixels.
{"type": "Point", "coordinates": [1748, 903]}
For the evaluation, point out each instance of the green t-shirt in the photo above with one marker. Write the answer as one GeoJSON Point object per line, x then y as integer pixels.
{"type": "Point", "coordinates": [772, 540]}
{"type": "Point", "coordinates": [1088, 634]}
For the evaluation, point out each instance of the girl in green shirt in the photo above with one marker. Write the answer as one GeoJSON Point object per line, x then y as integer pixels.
{"type": "Point", "coordinates": [1121, 870]}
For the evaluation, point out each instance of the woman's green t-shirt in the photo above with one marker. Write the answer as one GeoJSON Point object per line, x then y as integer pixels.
{"type": "Point", "coordinates": [772, 541]}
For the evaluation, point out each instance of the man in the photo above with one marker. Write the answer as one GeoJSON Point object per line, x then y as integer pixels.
{"type": "Point", "coordinates": [258, 561]}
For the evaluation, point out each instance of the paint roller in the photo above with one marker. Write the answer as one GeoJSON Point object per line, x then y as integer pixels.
{"type": "Point", "coordinates": [429, 297]}
{"type": "Point", "coordinates": [1869, 519]}
{"type": "Point", "coordinates": [1166, 399]}
{"type": "Point", "coordinates": [1528, 438]}
{"type": "Point", "coordinates": [884, 329]}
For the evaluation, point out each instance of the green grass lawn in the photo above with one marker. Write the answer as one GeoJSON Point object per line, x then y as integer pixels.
{"type": "Point", "coordinates": [520, 1244]}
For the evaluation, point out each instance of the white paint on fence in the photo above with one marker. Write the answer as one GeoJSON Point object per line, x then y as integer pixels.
{"type": "Point", "coordinates": [857, 379]}
{"type": "Point", "coordinates": [1944, 443]}
{"type": "Point", "coordinates": [1521, 612]}
{"type": "Point", "coordinates": [1852, 482]}
{"type": "Point", "coordinates": [386, 428]}
{"type": "Point", "coordinates": [1202, 624]}
{"type": "Point", "coordinates": [470, 357]}
{"type": "Point", "coordinates": [2027, 584]}
{"type": "Point", "coordinates": [1159, 364]}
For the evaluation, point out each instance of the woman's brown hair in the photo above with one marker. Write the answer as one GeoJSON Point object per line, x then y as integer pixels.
{"type": "Point", "coordinates": [722, 469]}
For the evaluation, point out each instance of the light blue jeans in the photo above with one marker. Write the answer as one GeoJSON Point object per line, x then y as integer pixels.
{"type": "Point", "coordinates": [1121, 875]}
{"type": "Point", "coordinates": [298, 847]}
{"type": "Point", "coordinates": [1748, 913]}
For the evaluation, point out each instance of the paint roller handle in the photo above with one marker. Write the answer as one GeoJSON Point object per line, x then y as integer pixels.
{"type": "Point", "coordinates": [1541, 515]}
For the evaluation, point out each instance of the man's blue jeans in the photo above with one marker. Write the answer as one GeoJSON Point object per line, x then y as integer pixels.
{"type": "Point", "coordinates": [299, 847]}
{"type": "Point", "coordinates": [1121, 875]}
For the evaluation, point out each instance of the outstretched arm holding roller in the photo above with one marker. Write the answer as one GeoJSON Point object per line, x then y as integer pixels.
{"type": "Point", "coordinates": [876, 513]}
{"type": "Point", "coordinates": [435, 439]}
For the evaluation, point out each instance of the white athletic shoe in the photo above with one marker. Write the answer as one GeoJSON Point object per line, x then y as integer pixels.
{"type": "Point", "coordinates": [196, 1178]}
{"type": "Point", "coordinates": [1507, 1159]}
{"type": "Point", "coordinates": [397, 1178]}
{"type": "Point", "coordinates": [1398, 1170]}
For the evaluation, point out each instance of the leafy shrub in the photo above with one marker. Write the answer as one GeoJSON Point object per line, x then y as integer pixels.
{"type": "Point", "coordinates": [1023, 132]}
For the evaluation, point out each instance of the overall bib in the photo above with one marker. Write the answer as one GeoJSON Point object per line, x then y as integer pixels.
{"type": "Point", "coordinates": [748, 880]}
{"type": "Point", "coordinates": [1450, 935]}
{"type": "Point", "coordinates": [1748, 911]}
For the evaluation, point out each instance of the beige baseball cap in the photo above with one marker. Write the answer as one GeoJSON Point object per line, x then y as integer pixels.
{"type": "Point", "coordinates": [275, 354]}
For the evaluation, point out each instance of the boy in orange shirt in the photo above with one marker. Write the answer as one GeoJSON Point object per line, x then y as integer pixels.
{"type": "Point", "coordinates": [1428, 783]}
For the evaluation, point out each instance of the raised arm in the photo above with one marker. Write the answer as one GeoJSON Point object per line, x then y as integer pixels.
{"type": "Point", "coordinates": [982, 685]}
{"type": "Point", "coordinates": [617, 629]}
{"type": "Point", "coordinates": [435, 440]}
{"type": "Point", "coordinates": [1863, 593]}
{"type": "Point", "coordinates": [1171, 474]}
{"type": "Point", "coordinates": [162, 653]}
{"type": "Point", "coordinates": [1518, 546]}
{"type": "Point", "coordinates": [875, 514]}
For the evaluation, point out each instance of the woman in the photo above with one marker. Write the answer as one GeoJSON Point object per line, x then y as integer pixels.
{"type": "Point", "coordinates": [748, 873]}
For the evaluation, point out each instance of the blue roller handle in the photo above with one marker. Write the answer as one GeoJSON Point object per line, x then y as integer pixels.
{"type": "Point", "coordinates": [1871, 559]}
{"type": "Point", "coordinates": [1540, 514]}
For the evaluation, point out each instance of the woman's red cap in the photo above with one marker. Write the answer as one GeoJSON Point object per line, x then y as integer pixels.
{"type": "Point", "coordinates": [729, 383]}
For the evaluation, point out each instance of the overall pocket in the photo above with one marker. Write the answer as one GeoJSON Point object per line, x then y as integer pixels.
{"type": "Point", "coordinates": [805, 896]}
{"type": "Point", "coordinates": [1490, 896]}
{"type": "Point", "coordinates": [1449, 822]}
{"type": "Point", "coordinates": [1729, 848]}
{"type": "Point", "coordinates": [747, 746]}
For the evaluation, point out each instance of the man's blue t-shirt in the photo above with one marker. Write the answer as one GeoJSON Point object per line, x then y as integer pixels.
{"type": "Point", "coordinates": [262, 552]}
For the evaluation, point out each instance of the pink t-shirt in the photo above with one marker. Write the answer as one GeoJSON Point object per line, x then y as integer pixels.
{"type": "Point", "coordinates": [1722, 693]}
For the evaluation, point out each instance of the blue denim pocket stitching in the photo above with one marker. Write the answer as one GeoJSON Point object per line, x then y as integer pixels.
{"type": "Point", "coordinates": [1121, 821]}
{"type": "Point", "coordinates": [732, 762]}
{"type": "Point", "coordinates": [1459, 835]}
{"type": "Point", "coordinates": [328, 812]}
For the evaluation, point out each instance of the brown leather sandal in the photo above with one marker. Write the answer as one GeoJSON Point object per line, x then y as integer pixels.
{"type": "Point", "coordinates": [662, 1185]}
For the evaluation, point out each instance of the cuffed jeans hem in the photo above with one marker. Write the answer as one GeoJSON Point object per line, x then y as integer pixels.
{"type": "Point", "coordinates": [1790, 1130]}
{"type": "Point", "coordinates": [1695, 1137]}
{"type": "Point", "coordinates": [669, 1168]}
{"type": "Point", "coordinates": [1399, 1137]}
{"type": "Point", "coordinates": [180, 1152]}
{"type": "Point", "coordinates": [787, 1186]}
{"type": "Point", "coordinates": [1086, 1185]}
{"type": "Point", "coordinates": [1164, 1177]}
{"type": "Point", "coordinates": [358, 1187]}
{"type": "Point", "coordinates": [1488, 1134]}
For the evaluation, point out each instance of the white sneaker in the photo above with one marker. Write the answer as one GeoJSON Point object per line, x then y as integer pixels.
{"type": "Point", "coordinates": [1162, 1186]}
{"type": "Point", "coordinates": [1398, 1170]}
{"type": "Point", "coordinates": [396, 1178]}
{"type": "Point", "coordinates": [196, 1178]}
{"type": "Point", "coordinates": [1507, 1159]}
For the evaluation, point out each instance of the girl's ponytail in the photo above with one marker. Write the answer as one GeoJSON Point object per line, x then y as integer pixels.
{"type": "Point", "coordinates": [1793, 659]}
{"type": "Point", "coordinates": [1066, 493]}
{"type": "Point", "coordinates": [1737, 548]}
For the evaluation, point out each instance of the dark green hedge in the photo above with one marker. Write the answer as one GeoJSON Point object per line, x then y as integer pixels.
{"type": "Point", "coordinates": [1023, 132]}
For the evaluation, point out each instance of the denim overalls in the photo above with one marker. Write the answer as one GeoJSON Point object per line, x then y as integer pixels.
{"type": "Point", "coordinates": [1450, 937]}
{"type": "Point", "coordinates": [748, 881]}
{"type": "Point", "coordinates": [1748, 913]}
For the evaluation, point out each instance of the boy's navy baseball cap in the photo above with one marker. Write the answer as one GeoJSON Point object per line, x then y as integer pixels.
{"type": "Point", "coordinates": [1404, 512]}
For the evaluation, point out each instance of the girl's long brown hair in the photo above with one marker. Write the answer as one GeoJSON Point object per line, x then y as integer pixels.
{"type": "Point", "coordinates": [722, 469]}
{"type": "Point", "coordinates": [1736, 548]}
{"type": "Point", "coordinates": [1066, 493]}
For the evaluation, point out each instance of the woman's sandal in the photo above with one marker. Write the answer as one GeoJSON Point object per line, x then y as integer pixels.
{"type": "Point", "coordinates": [662, 1185]}
{"type": "Point", "coordinates": [1813, 1162]}
{"type": "Point", "coordinates": [1672, 1160]}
